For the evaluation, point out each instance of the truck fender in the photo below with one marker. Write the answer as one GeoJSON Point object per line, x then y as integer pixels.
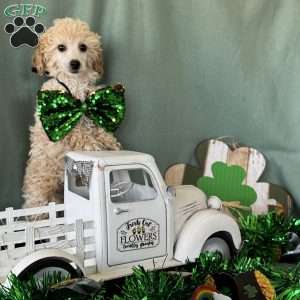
{"type": "Point", "coordinates": [41, 255]}
{"type": "Point", "coordinates": [200, 227]}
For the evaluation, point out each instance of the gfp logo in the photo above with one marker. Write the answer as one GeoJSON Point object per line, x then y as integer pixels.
{"type": "Point", "coordinates": [138, 234]}
{"type": "Point", "coordinates": [24, 30]}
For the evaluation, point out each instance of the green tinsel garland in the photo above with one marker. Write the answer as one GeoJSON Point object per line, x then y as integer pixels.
{"type": "Point", "coordinates": [30, 290]}
{"type": "Point", "coordinates": [266, 236]}
{"type": "Point", "coordinates": [42, 289]}
{"type": "Point", "coordinates": [154, 285]}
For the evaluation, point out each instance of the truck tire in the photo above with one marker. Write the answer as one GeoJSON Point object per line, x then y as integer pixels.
{"type": "Point", "coordinates": [214, 244]}
{"type": "Point", "coordinates": [50, 265]}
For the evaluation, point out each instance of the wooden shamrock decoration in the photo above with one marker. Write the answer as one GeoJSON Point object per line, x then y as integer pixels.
{"type": "Point", "coordinates": [232, 174]}
{"type": "Point", "coordinates": [218, 184]}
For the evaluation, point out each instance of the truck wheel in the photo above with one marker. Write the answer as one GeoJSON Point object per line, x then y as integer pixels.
{"type": "Point", "coordinates": [214, 244]}
{"type": "Point", "coordinates": [47, 266]}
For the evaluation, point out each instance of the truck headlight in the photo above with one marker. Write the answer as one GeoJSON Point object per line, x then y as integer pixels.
{"type": "Point", "coordinates": [214, 202]}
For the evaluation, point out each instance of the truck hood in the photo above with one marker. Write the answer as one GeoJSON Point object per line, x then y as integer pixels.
{"type": "Point", "coordinates": [188, 200]}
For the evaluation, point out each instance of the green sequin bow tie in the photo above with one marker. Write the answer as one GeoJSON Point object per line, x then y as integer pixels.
{"type": "Point", "coordinates": [59, 112]}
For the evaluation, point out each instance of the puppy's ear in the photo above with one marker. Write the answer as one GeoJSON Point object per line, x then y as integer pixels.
{"type": "Point", "coordinates": [98, 62]}
{"type": "Point", "coordinates": [38, 61]}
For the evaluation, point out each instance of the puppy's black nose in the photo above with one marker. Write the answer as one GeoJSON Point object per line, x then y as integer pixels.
{"type": "Point", "coordinates": [75, 64]}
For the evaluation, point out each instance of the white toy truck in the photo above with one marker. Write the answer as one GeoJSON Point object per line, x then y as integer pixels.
{"type": "Point", "coordinates": [117, 213]}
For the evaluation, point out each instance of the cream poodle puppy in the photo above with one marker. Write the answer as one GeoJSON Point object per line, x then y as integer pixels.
{"type": "Point", "coordinates": [71, 55]}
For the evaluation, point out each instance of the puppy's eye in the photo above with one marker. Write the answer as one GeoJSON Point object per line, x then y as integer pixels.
{"type": "Point", "coordinates": [61, 47]}
{"type": "Point", "coordinates": [82, 47]}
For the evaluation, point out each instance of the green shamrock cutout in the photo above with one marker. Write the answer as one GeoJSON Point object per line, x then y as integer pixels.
{"type": "Point", "coordinates": [227, 184]}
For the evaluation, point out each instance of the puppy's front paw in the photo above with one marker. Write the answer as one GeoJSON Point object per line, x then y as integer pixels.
{"type": "Point", "coordinates": [119, 88]}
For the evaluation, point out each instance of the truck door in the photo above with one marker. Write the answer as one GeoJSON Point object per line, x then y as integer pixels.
{"type": "Point", "coordinates": [136, 215]}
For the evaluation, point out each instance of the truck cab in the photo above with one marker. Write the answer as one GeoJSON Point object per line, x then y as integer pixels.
{"type": "Point", "coordinates": [137, 218]}
{"type": "Point", "coordinates": [125, 195]}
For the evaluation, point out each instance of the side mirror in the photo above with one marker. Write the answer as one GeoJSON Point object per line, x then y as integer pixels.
{"type": "Point", "coordinates": [171, 191]}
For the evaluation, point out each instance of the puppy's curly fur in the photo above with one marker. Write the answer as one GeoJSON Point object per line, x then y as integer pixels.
{"type": "Point", "coordinates": [44, 174]}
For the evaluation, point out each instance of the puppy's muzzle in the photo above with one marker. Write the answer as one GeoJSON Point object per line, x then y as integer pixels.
{"type": "Point", "coordinates": [74, 65]}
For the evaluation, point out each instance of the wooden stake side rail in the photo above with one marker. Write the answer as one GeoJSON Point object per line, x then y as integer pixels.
{"type": "Point", "coordinates": [24, 231]}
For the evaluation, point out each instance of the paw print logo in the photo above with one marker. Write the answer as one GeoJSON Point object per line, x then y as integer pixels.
{"type": "Point", "coordinates": [24, 31]}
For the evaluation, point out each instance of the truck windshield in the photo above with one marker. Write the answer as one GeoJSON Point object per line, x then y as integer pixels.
{"type": "Point", "coordinates": [131, 185]}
